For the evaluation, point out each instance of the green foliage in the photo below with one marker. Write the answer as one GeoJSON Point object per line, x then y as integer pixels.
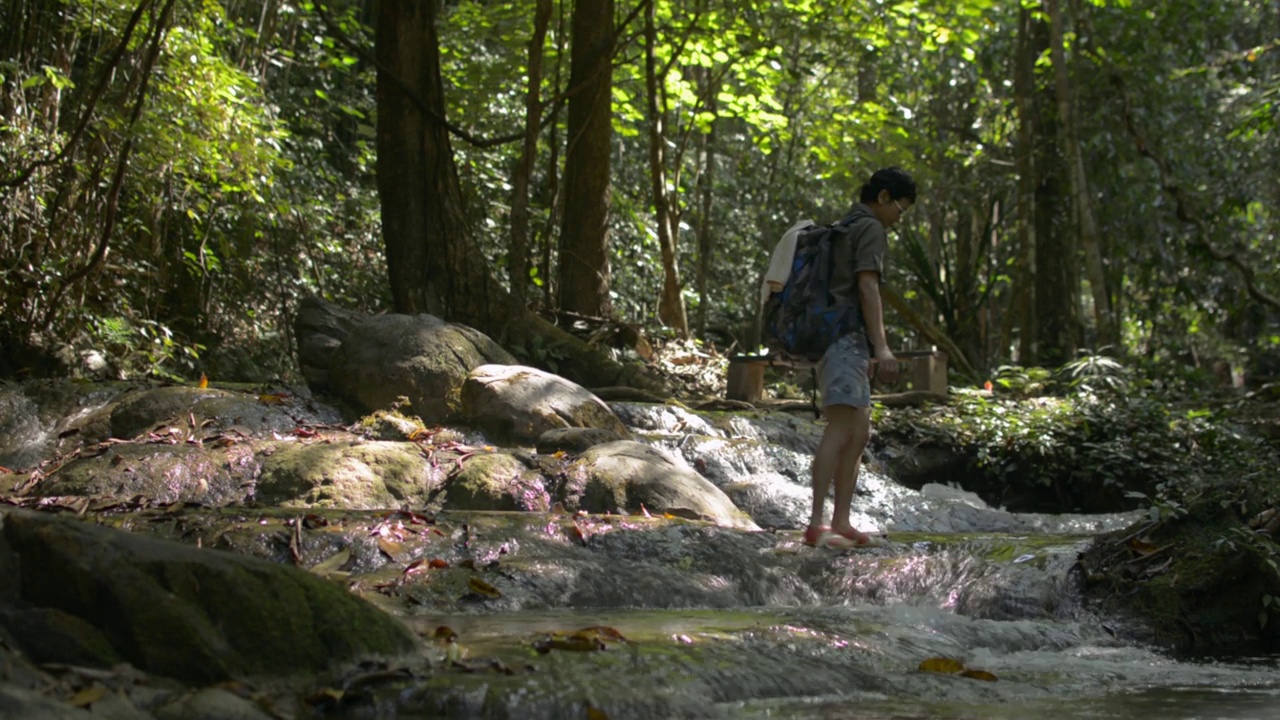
{"type": "Point", "coordinates": [1120, 437]}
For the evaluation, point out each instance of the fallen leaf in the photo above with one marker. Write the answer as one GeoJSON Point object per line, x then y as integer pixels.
{"type": "Point", "coordinates": [569, 644]}
{"type": "Point", "coordinates": [481, 587]}
{"type": "Point", "coordinates": [88, 696]}
{"type": "Point", "coordinates": [393, 550]}
{"type": "Point", "coordinates": [273, 398]}
{"type": "Point", "coordinates": [204, 381]}
{"type": "Point", "coordinates": [941, 665]}
{"type": "Point", "coordinates": [331, 564]}
{"type": "Point", "coordinates": [595, 713]}
{"type": "Point", "coordinates": [438, 564]}
{"type": "Point", "coordinates": [445, 633]}
{"type": "Point", "coordinates": [978, 675]}
{"type": "Point", "coordinates": [1143, 547]}
{"type": "Point", "coordinates": [602, 632]}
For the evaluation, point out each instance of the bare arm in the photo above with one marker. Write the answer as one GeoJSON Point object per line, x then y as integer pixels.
{"type": "Point", "coordinates": [884, 364]}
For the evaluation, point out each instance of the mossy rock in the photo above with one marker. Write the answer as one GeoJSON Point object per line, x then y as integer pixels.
{"type": "Point", "coordinates": [352, 475]}
{"type": "Point", "coordinates": [193, 614]}
{"type": "Point", "coordinates": [496, 481]}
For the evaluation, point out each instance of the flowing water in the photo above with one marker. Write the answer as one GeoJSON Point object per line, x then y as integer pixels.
{"type": "Point", "coordinates": [995, 592]}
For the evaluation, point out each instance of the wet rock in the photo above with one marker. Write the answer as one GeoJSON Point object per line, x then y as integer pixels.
{"type": "Point", "coordinates": [575, 439]}
{"type": "Point", "coordinates": [160, 472]}
{"type": "Point", "coordinates": [22, 435]}
{"type": "Point", "coordinates": [772, 500]}
{"type": "Point", "coordinates": [626, 476]}
{"type": "Point", "coordinates": [16, 702]}
{"type": "Point", "coordinates": [187, 613]}
{"type": "Point", "coordinates": [420, 357]}
{"type": "Point", "coordinates": [350, 474]}
{"type": "Point", "coordinates": [212, 704]}
{"type": "Point", "coordinates": [518, 404]}
{"type": "Point", "coordinates": [496, 481]}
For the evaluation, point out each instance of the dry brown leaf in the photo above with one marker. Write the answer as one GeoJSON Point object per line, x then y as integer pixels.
{"type": "Point", "coordinates": [601, 632]}
{"type": "Point", "coordinates": [445, 633]}
{"type": "Point", "coordinates": [569, 644]}
{"type": "Point", "coordinates": [391, 549]}
{"type": "Point", "coordinates": [941, 665]}
{"type": "Point", "coordinates": [595, 713]}
{"type": "Point", "coordinates": [438, 564]}
{"type": "Point", "coordinates": [978, 675]}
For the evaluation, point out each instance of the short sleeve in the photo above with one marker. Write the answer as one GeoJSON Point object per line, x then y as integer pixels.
{"type": "Point", "coordinates": [870, 247]}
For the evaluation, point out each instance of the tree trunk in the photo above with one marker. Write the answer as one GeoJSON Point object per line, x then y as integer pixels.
{"type": "Point", "coordinates": [1055, 292]}
{"type": "Point", "coordinates": [583, 276]}
{"type": "Point", "coordinates": [1082, 207]}
{"type": "Point", "coordinates": [706, 202]}
{"type": "Point", "coordinates": [1023, 312]}
{"type": "Point", "coordinates": [671, 309]}
{"type": "Point", "coordinates": [519, 266]}
{"type": "Point", "coordinates": [431, 258]}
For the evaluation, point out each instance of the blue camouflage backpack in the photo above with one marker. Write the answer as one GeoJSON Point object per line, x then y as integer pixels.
{"type": "Point", "coordinates": [800, 321]}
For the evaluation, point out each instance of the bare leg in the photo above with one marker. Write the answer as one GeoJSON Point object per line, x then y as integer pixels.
{"type": "Point", "coordinates": [847, 469]}
{"type": "Point", "coordinates": [827, 460]}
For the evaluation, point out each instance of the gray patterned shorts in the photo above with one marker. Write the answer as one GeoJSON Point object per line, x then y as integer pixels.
{"type": "Point", "coordinates": [842, 372]}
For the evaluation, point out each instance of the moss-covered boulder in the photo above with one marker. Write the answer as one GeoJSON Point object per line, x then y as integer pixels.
{"type": "Point", "coordinates": [352, 475]}
{"type": "Point", "coordinates": [193, 614]}
{"type": "Point", "coordinates": [628, 476]}
{"type": "Point", "coordinates": [496, 481]}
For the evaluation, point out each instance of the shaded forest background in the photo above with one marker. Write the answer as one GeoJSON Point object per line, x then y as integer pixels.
{"type": "Point", "coordinates": [1097, 176]}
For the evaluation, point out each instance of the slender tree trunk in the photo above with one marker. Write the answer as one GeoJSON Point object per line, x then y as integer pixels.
{"type": "Point", "coordinates": [671, 310]}
{"type": "Point", "coordinates": [706, 203]}
{"type": "Point", "coordinates": [518, 268]}
{"type": "Point", "coordinates": [1024, 300]}
{"type": "Point", "coordinates": [583, 285]}
{"type": "Point", "coordinates": [1082, 207]}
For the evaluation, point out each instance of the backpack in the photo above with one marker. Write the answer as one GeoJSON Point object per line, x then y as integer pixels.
{"type": "Point", "coordinates": [800, 322]}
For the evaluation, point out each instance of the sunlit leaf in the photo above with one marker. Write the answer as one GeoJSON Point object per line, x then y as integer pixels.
{"type": "Point", "coordinates": [391, 549]}
{"type": "Point", "coordinates": [941, 665]}
{"type": "Point", "coordinates": [330, 565]}
{"type": "Point", "coordinates": [481, 587]}
{"type": "Point", "coordinates": [204, 381]}
{"type": "Point", "coordinates": [88, 696]}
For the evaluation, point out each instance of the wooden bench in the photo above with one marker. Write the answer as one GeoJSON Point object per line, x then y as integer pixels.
{"type": "Point", "coordinates": [927, 372]}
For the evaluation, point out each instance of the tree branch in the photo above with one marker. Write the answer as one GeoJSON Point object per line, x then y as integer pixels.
{"type": "Point", "coordinates": [1182, 203]}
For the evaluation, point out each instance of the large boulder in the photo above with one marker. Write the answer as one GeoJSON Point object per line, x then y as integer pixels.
{"type": "Point", "coordinates": [628, 477]}
{"type": "Point", "coordinates": [496, 481]}
{"type": "Point", "coordinates": [320, 328]}
{"type": "Point", "coordinates": [349, 475]}
{"type": "Point", "coordinates": [515, 403]}
{"type": "Point", "coordinates": [419, 357]}
{"type": "Point", "coordinates": [170, 609]}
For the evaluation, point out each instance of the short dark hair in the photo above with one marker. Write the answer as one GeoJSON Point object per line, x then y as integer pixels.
{"type": "Point", "coordinates": [894, 179]}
